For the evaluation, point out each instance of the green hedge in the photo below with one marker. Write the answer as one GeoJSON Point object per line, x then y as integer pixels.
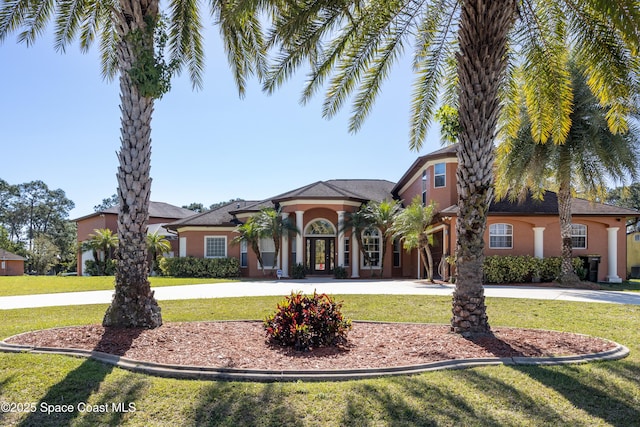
{"type": "Point", "coordinates": [525, 268]}
{"type": "Point", "coordinates": [219, 268]}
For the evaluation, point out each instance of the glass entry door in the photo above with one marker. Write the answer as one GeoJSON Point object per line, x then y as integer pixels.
{"type": "Point", "coordinates": [320, 254]}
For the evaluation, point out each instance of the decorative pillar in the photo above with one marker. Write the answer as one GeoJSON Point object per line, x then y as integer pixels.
{"type": "Point", "coordinates": [284, 249]}
{"type": "Point", "coordinates": [538, 242]}
{"type": "Point", "coordinates": [355, 256]}
{"type": "Point", "coordinates": [299, 237]}
{"type": "Point", "coordinates": [612, 255]}
{"type": "Point", "coordinates": [340, 239]}
{"type": "Point", "coordinates": [182, 250]}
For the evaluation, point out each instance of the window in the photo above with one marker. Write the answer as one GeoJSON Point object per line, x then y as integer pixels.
{"type": "Point", "coordinates": [397, 245]}
{"type": "Point", "coordinates": [268, 251]}
{"type": "Point", "coordinates": [439, 175]}
{"type": "Point", "coordinates": [636, 238]}
{"type": "Point", "coordinates": [371, 246]}
{"type": "Point", "coordinates": [425, 179]}
{"type": "Point", "coordinates": [578, 236]}
{"type": "Point", "coordinates": [347, 251]}
{"type": "Point", "coordinates": [243, 254]}
{"type": "Point", "coordinates": [320, 227]}
{"type": "Point", "coordinates": [500, 236]}
{"type": "Point", "coordinates": [215, 247]}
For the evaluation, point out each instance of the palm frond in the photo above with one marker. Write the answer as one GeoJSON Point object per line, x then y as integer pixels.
{"type": "Point", "coordinates": [548, 92]}
{"type": "Point", "coordinates": [69, 18]}
{"type": "Point", "coordinates": [35, 24]}
{"type": "Point", "coordinates": [435, 49]}
{"type": "Point", "coordinates": [185, 39]}
{"type": "Point", "coordinates": [109, 39]}
{"type": "Point", "coordinates": [13, 14]}
{"type": "Point", "coordinates": [241, 32]}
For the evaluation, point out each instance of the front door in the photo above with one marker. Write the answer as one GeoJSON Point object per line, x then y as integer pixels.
{"type": "Point", "coordinates": [320, 255]}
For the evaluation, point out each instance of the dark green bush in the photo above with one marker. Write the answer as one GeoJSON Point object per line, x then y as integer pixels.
{"type": "Point", "coordinates": [104, 268]}
{"type": "Point", "coordinates": [525, 268]}
{"type": "Point", "coordinates": [220, 268]}
{"type": "Point", "coordinates": [340, 273]}
{"type": "Point", "coordinates": [306, 322]}
{"type": "Point", "coordinates": [298, 271]}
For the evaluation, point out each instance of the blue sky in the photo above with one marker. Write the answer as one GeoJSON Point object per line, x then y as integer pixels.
{"type": "Point", "coordinates": [60, 123]}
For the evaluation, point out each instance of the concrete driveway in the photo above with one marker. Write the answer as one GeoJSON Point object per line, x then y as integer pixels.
{"type": "Point", "coordinates": [330, 286]}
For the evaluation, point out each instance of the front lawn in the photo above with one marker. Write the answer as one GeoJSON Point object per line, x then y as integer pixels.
{"type": "Point", "coordinates": [27, 285]}
{"type": "Point", "coordinates": [595, 394]}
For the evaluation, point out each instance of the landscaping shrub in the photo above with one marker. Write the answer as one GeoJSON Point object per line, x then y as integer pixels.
{"type": "Point", "coordinates": [306, 322]}
{"type": "Point", "coordinates": [340, 273]}
{"type": "Point", "coordinates": [298, 271]}
{"type": "Point", "coordinates": [219, 268]}
{"type": "Point", "coordinates": [522, 269]}
{"type": "Point", "coordinates": [106, 268]}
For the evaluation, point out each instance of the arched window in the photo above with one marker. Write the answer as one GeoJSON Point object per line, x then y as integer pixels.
{"type": "Point", "coordinates": [501, 236]}
{"type": "Point", "coordinates": [371, 244]}
{"type": "Point", "coordinates": [578, 236]}
{"type": "Point", "coordinates": [320, 227]}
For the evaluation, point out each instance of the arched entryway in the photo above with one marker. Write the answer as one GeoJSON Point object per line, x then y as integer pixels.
{"type": "Point", "coordinates": [320, 241]}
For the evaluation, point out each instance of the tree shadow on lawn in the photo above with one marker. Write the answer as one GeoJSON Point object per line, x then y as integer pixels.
{"type": "Point", "coordinates": [69, 399]}
{"type": "Point", "coordinates": [229, 404]}
{"type": "Point", "coordinates": [418, 400]}
{"type": "Point", "coordinates": [591, 392]}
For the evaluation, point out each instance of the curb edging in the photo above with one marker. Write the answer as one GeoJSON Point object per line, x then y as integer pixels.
{"type": "Point", "coordinates": [265, 375]}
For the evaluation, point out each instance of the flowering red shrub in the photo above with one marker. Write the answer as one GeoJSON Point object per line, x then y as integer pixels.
{"type": "Point", "coordinates": [306, 322]}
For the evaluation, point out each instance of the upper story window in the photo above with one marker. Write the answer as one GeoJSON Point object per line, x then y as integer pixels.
{"type": "Point", "coordinates": [439, 175]}
{"type": "Point", "coordinates": [215, 247]}
{"type": "Point", "coordinates": [578, 236]}
{"type": "Point", "coordinates": [500, 236]}
{"type": "Point", "coordinates": [425, 180]}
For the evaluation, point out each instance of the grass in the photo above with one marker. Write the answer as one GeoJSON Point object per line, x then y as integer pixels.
{"type": "Point", "coordinates": [595, 394]}
{"type": "Point", "coordinates": [27, 285]}
{"type": "Point", "coordinates": [630, 285]}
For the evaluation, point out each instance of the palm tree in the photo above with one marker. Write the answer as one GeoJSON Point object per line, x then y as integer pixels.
{"type": "Point", "coordinates": [271, 223]}
{"type": "Point", "coordinates": [157, 245]}
{"type": "Point", "coordinates": [413, 225]}
{"type": "Point", "coordinates": [133, 34]}
{"type": "Point", "coordinates": [251, 233]}
{"type": "Point", "coordinates": [352, 45]}
{"type": "Point", "coordinates": [589, 156]}
{"type": "Point", "coordinates": [102, 243]}
{"type": "Point", "coordinates": [382, 216]}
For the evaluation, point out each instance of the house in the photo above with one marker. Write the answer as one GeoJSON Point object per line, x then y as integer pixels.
{"type": "Point", "coordinates": [159, 214]}
{"type": "Point", "coordinates": [318, 210]}
{"type": "Point", "coordinates": [528, 228]}
{"type": "Point", "coordinates": [11, 264]}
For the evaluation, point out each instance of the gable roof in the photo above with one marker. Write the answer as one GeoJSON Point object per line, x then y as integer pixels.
{"type": "Point", "coordinates": [355, 189]}
{"type": "Point", "coordinates": [221, 216]}
{"type": "Point", "coordinates": [156, 210]}
{"type": "Point", "coordinates": [443, 153]}
{"type": "Point", "coordinates": [9, 256]}
{"type": "Point", "coordinates": [549, 206]}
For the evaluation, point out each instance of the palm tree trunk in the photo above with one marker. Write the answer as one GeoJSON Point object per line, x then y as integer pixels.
{"type": "Point", "coordinates": [428, 263]}
{"type": "Point", "coordinates": [133, 303]}
{"type": "Point", "coordinates": [482, 37]}
{"type": "Point", "coordinates": [567, 275]}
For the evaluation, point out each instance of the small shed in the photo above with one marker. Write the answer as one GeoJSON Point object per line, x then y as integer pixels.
{"type": "Point", "coordinates": [11, 264]}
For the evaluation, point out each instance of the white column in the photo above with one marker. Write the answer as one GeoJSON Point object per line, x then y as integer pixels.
{"type": "Point", "coordinates": [355, 256]}
{"type": "Point", "coordinates": [299, 236]}
{"type": "Point", "coordinates": [538, 242]}
{"type": "Point", "coordinates": [612, 255]}
{"type": "Point", "coordinates": [182, 250]}
{"type": "Point", "coordinates": [340, 239]}
{"type": "Point", "coordinates": [284, 249]}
